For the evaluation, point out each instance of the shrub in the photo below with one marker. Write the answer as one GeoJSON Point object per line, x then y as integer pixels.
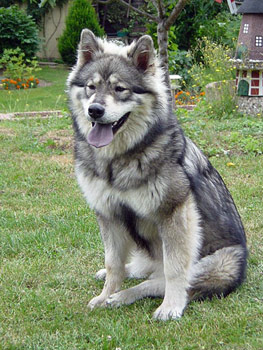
{"type": "Point", "coordinates": [19, 71]}
{"type": "Point", "coordinates": [18, 30]}
{"type": "Point", "coordinates": [186, 98]}
{"type": "Point", "coordinates": [180, 62]}
{"type": "Point", "coordinates": [215, 64]}
{"type": "Point", "coordinates": [216, 68]}
{"type": "Point", "coordinates": [223, 29]}
{"type": "Point", "coordinates": [81, 15]}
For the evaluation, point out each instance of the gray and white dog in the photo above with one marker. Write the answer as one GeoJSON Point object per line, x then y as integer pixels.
{"type": "Point", "coordinates": [164, 212]}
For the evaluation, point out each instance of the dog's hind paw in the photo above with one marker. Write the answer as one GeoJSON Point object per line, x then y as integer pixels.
{"type": "Point", "coordinates": [165, 313]}
{"type": "Point", "coordinates": [101, 275]}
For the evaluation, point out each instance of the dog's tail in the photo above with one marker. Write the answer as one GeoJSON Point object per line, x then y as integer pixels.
{"type": "Point", "coordinates": [219, 273]}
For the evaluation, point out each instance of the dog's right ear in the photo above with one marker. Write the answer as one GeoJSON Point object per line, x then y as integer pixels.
{"type": "Point", "coordinates": [88, 47]}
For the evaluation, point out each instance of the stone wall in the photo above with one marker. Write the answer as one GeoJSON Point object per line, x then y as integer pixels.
{"type": "Point", "coordinates": [250, 105]}
{"type": "Point", "coordinates": [246, 104]}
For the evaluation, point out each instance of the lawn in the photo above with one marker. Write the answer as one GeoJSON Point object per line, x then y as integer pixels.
{"type": "Point", "coordinates": [50, 247]}
{"type": "Point", "coordinates": [51, 97]}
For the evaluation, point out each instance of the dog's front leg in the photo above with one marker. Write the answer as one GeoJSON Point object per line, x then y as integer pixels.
{"type": "Point", "coordinates": [180, 235]}
{"type": "Point", "coordinates": [115, 244]}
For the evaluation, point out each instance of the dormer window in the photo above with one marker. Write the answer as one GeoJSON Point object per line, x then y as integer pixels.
{"type": "Point", "coordinates": [245, 29]}
{"type": "Point", "coordinates": [259, 41]}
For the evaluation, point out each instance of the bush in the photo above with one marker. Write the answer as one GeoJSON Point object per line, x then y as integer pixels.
{"type": "Point", "coordinates": [19, 72]}
{"type": "Point", "coordinates": [215, 68]}
{"type": "Point", "coordinates": [81, 15]}
{"type": "Point", "coordinates": [180, 62]}
{"type": "Point", "coordinates": [215, 64]}
{"type": "Point", "coordinates": [17, 30]}
{"type": "Point", "coordinates": [223, 29]}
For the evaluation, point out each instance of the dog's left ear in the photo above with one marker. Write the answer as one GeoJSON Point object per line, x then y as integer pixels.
{"type": "Point", "coordinates": [142, 53]}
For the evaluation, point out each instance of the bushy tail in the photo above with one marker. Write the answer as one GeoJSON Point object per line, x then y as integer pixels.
{"type": "Point", "coordinates": [219, 273]}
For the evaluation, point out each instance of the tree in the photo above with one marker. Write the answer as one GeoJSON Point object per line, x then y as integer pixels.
{"type": "Point", "coordinates": [164, 20]}
{"type": "Point", "coordinates": [81, 15]}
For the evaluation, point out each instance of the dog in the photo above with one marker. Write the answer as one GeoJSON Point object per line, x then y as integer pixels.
{"type": "Point", "coordinates": [165, 214]}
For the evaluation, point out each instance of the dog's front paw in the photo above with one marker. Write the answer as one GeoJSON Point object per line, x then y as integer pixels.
{"type": "Point", "coordinates": [115, 300]}
{"type": "Point", "coordinates": [165, 313]}
{"type": "Point", "coordinates": [96, 302]}
{"type": "Point", "coordinates": [101, 275]}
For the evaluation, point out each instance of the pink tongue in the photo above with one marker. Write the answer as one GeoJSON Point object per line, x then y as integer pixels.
{"type": "Point", "coordinates": [100, 135]}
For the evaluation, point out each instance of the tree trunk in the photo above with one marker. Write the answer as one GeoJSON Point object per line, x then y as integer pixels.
{"type": "Point", "coordinates": [162, 35]}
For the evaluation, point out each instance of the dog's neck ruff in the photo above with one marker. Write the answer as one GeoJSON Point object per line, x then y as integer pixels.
{"type": "Point", "coordinates": [102, 134]}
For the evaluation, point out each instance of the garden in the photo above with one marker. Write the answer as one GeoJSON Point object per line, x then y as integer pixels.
{"type": "Point", "coordinates": [50, 246]}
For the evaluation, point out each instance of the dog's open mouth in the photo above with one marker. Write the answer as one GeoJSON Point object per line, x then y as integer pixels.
{"type": "Point", "coordinates": [102, 134]}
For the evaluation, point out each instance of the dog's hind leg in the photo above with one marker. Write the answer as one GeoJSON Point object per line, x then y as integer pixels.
{"type": "Point", "coordinates": [219, 273]}
{"type": "Point", "coordinates": [150, 288]}
{"type": "Point", "coordinates": [140, 266]}
{"type": "Point", "coordinates": [116, 244]}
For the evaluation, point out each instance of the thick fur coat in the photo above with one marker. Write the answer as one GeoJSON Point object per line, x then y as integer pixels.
{"type": "Point", "coordinates": [164, 212]}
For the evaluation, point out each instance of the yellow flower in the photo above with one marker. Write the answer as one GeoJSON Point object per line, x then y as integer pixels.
{"type": "Point", "coordinates": [230, 164]}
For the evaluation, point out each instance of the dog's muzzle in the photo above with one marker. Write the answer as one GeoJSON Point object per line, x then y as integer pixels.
{"type": "Point", "coordinates": [102, 134]}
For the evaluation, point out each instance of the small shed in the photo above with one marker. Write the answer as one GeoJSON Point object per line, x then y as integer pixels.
{"type": "Point", "coordinates": [249, 53]}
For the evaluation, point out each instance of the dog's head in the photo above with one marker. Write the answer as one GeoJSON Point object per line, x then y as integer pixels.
{"type": "Point", "coordinates": [112, 85]}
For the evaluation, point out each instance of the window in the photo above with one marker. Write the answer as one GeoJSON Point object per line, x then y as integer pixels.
{"type": "Point", "coordinates": [254, 92]}
{"type": "Point", "coordinates": [259, 41]}
{"type": "Point", "coordinates": [255, 74]}
{"type": "Point", "coordinates": [245, 29]}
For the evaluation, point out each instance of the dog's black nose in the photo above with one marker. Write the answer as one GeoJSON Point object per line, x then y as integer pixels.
{"type": "Point", "coordinates": [96, 110]}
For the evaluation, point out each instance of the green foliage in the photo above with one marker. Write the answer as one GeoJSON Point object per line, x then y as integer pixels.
{"type": "Point", "coordinates": [195, 15]}
{"type": "Point", "coordinates": [200, 18]}
{"type": "Point", "coordinates": [37, 12]}
{"type": "Point", "coordinates": [215, 65]}
{"type": "Point", "coordinates": [18, 30]}
{"type": "Point", "coordinates": [16, 66]}
{"type": "Point", "coordinates": [115, 15]}
{"type": "Point", "coordinates": [180, 62]}
{"type": "Point", "coordinates": [81, 15]}
{"type": "Point", "coordinates": [6, 3]}
{"type": "Point", "coordinates": [215, 68]}
{"type": "Point", "coordinates": [222, 29]}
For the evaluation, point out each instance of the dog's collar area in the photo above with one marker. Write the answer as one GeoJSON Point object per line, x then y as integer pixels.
{"type": "Point", "coordinates": [102, 134]}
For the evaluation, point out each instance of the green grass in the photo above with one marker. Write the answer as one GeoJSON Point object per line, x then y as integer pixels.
{"type": "Point", "coordinates": [50, 248]}
{"type": "Point", "coordinates": [40, 99]}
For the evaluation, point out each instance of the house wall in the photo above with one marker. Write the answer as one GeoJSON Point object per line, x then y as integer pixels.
{"type": "Point", "coordinates": [52, 28]}
{"type": "Point", "coordinates": [251, 26]}
{"type": "Point", "coordinates": [254, 78]}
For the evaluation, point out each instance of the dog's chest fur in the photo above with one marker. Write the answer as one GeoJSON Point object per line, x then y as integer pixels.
{"type": "Point", "coordinates": [133, 180]}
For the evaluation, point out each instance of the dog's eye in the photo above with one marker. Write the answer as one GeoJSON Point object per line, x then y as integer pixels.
{"type": "Point", "coordinates": [92, 87]}
{"type": "Point", "coordinates": [119, 89]}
